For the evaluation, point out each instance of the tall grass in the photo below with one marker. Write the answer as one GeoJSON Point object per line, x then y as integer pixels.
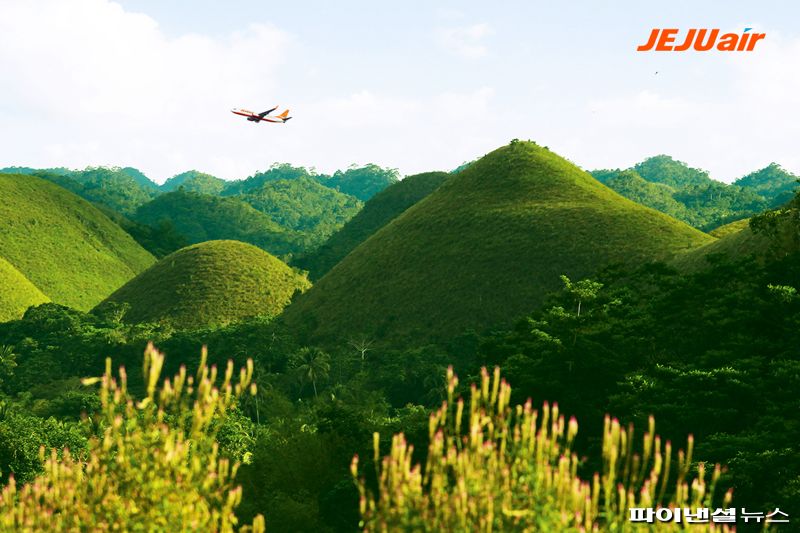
{"type": "Point", "coordinates": [141, 473]}
{"type": "Point", "coordinates": [496, 467]}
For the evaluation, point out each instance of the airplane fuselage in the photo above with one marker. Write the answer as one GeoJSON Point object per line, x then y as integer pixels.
{"type": "Point", "coordinates": [256, 117]}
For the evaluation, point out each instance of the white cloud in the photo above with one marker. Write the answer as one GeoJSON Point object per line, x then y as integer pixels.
{"type": "Point", "coordinates": [413, 134]}
{"type": "Point", "coordinates": [90, 80]}
{"type": "Point", "coordinates": [740, 119]}
{"type": "Point", "coordinates": [465, 41]}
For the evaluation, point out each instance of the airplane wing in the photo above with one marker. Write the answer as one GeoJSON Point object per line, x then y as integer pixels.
{"type": "Point", "coordinates": [267, 112]}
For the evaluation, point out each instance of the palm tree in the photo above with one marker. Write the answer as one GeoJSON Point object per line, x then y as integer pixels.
{"type": "Point", "coordinates": [311, 364]}
{"type": "Point", "coordinates": [8, 361]}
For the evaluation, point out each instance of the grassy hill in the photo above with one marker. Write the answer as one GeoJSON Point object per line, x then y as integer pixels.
{"type": "Point", "coordinates": [484, 247]}
{"type": "Point", "coordinates": [119, 189]}
{"type": "Point", "coordinates": [17, 293]}
{"type": "Point", "coordinates": [377, 212]}
{"type": "Point", "coordinates": [212, 283]}
{"type": "Point", "coordinates": [736, 240]}
{"type": "Point", "coordinates": [64, 245]}
{"type": "Point", "coordinates": [194, 181]}
{"type": "Point", "coordinates": [776, 237]}
{"type": "Point", "coordinates": [202, 217]}
{"type": "Point", "coordinates": [731, 227]}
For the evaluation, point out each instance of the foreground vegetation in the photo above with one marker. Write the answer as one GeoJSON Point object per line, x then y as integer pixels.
{"type": "Point", "coordinates": [151, 463]}
{"type": "Point", "coordinates": [154, 460]}
{"type": "Point", "coordinates": [706, 342]}
{"type": "Point", "coordinates": [493, 466]}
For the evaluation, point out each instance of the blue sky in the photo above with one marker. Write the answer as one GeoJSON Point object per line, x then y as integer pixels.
{"type": "Point", "coordinates": [412, 85]}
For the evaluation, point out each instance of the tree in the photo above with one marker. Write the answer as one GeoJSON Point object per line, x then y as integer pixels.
{"type": "Point", "coordinates": [8, 362]}
{"type": "Point", "coordinates": [582, 291]}
{"type": "Point", "coordinates": [312, 365]}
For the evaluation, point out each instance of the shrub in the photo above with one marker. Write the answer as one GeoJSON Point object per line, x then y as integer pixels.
{"type": "Point", "coordinates": [153, 464]}
{"type": "Point", "coordinates": [512, 469]}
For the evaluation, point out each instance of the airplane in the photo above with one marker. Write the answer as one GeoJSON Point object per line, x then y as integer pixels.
{"type": "Point", "coordinates": [258, 117]}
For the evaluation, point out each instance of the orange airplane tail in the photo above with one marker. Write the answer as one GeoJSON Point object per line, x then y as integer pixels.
{"type": "Point", "coordinates": [284, 114]}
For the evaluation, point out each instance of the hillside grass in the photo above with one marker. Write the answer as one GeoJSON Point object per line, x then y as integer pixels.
{"type": "Point", "coordinates": [64, 245]}
{"type": "Point", "coordinates": [730, 228]}
{"type": "Point", "coordinates": [17, 293]}
{"type": "Point", "coordinates": [484, 248]}
{"type": "Point", "coordinates": [735, 241]}
{"type": "Point", "coordinates": [209, 284]}
{"type": "Point", "coordinates": [377, 212]}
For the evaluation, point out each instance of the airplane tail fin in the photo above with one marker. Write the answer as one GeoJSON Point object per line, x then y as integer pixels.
{"type": "Point", "coordinates": [284, 114]}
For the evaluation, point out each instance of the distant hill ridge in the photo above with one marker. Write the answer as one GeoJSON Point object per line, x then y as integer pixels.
{"type": "Point", "coordinates": [689, 194]}
{"type": "Point", "coordinates": [202, 217]}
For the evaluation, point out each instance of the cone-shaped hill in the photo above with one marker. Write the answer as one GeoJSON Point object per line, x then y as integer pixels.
{"type": "Point", "coordinates": [64, 245]}
{"type": "Point", "coordinates": [211, 283]}
{"type": "Point", "coordinates": [17, 293]}
{"type": "Point", "coordinates": [730, 228]}
{"type": "Point", "coordinates": [735, 241]}
{"type": "Point", "coordinates": [376, 213]}
{"type": "Point", "coordinates": [484, 248]}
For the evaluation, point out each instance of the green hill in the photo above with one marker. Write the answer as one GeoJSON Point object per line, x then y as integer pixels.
{"type": "Point", "coordinates": [202, 217]}
{"type": "Point", "coordinates": [677, 174]}
{"type": "Point", "coordinates": [483, 248]}
{"type": "Point", "coordinates": [212, 283]}
{"type": "Point", "coordinates": [776, 237]}
{"type": "Point", "coordinates": [282, 171]}
{"type": "Point", "coordinates": [195, 181]}
{"type": "Point", "coordinates": [377, 212]}
{"type": "Point", "coordinates": [160, 240]}
{"type": "Point", "coordinates": [17, 293]}
{"type": "Point", "coordinates": [302, 204]}
{"type": "Point", "coordinates": [731, 227]}
{"type": "Point", "coordinates": [119, 189]}
{"type": "Point", "coordinates": [772, 182]}
{"type": "Point", "coordinates": [64, 245]}
{"type": "Point", "coordinates": [682, 192]}
{"type": "Point", "coordinates": [139, 177]}
{"type": "Point", "coordinates": [361, 182]}
{"type": "Point", "coordinates": [659, 196]}
{"type": "Point", "coordinates": [732, 243]}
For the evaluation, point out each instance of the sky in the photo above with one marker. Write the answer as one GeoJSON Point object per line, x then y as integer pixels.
{"type": "Point", "coordinates": [412, 85]}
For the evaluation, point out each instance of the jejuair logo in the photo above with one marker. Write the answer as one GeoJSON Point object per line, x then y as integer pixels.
{"type": "Point", "coordinates": [701, 40]}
